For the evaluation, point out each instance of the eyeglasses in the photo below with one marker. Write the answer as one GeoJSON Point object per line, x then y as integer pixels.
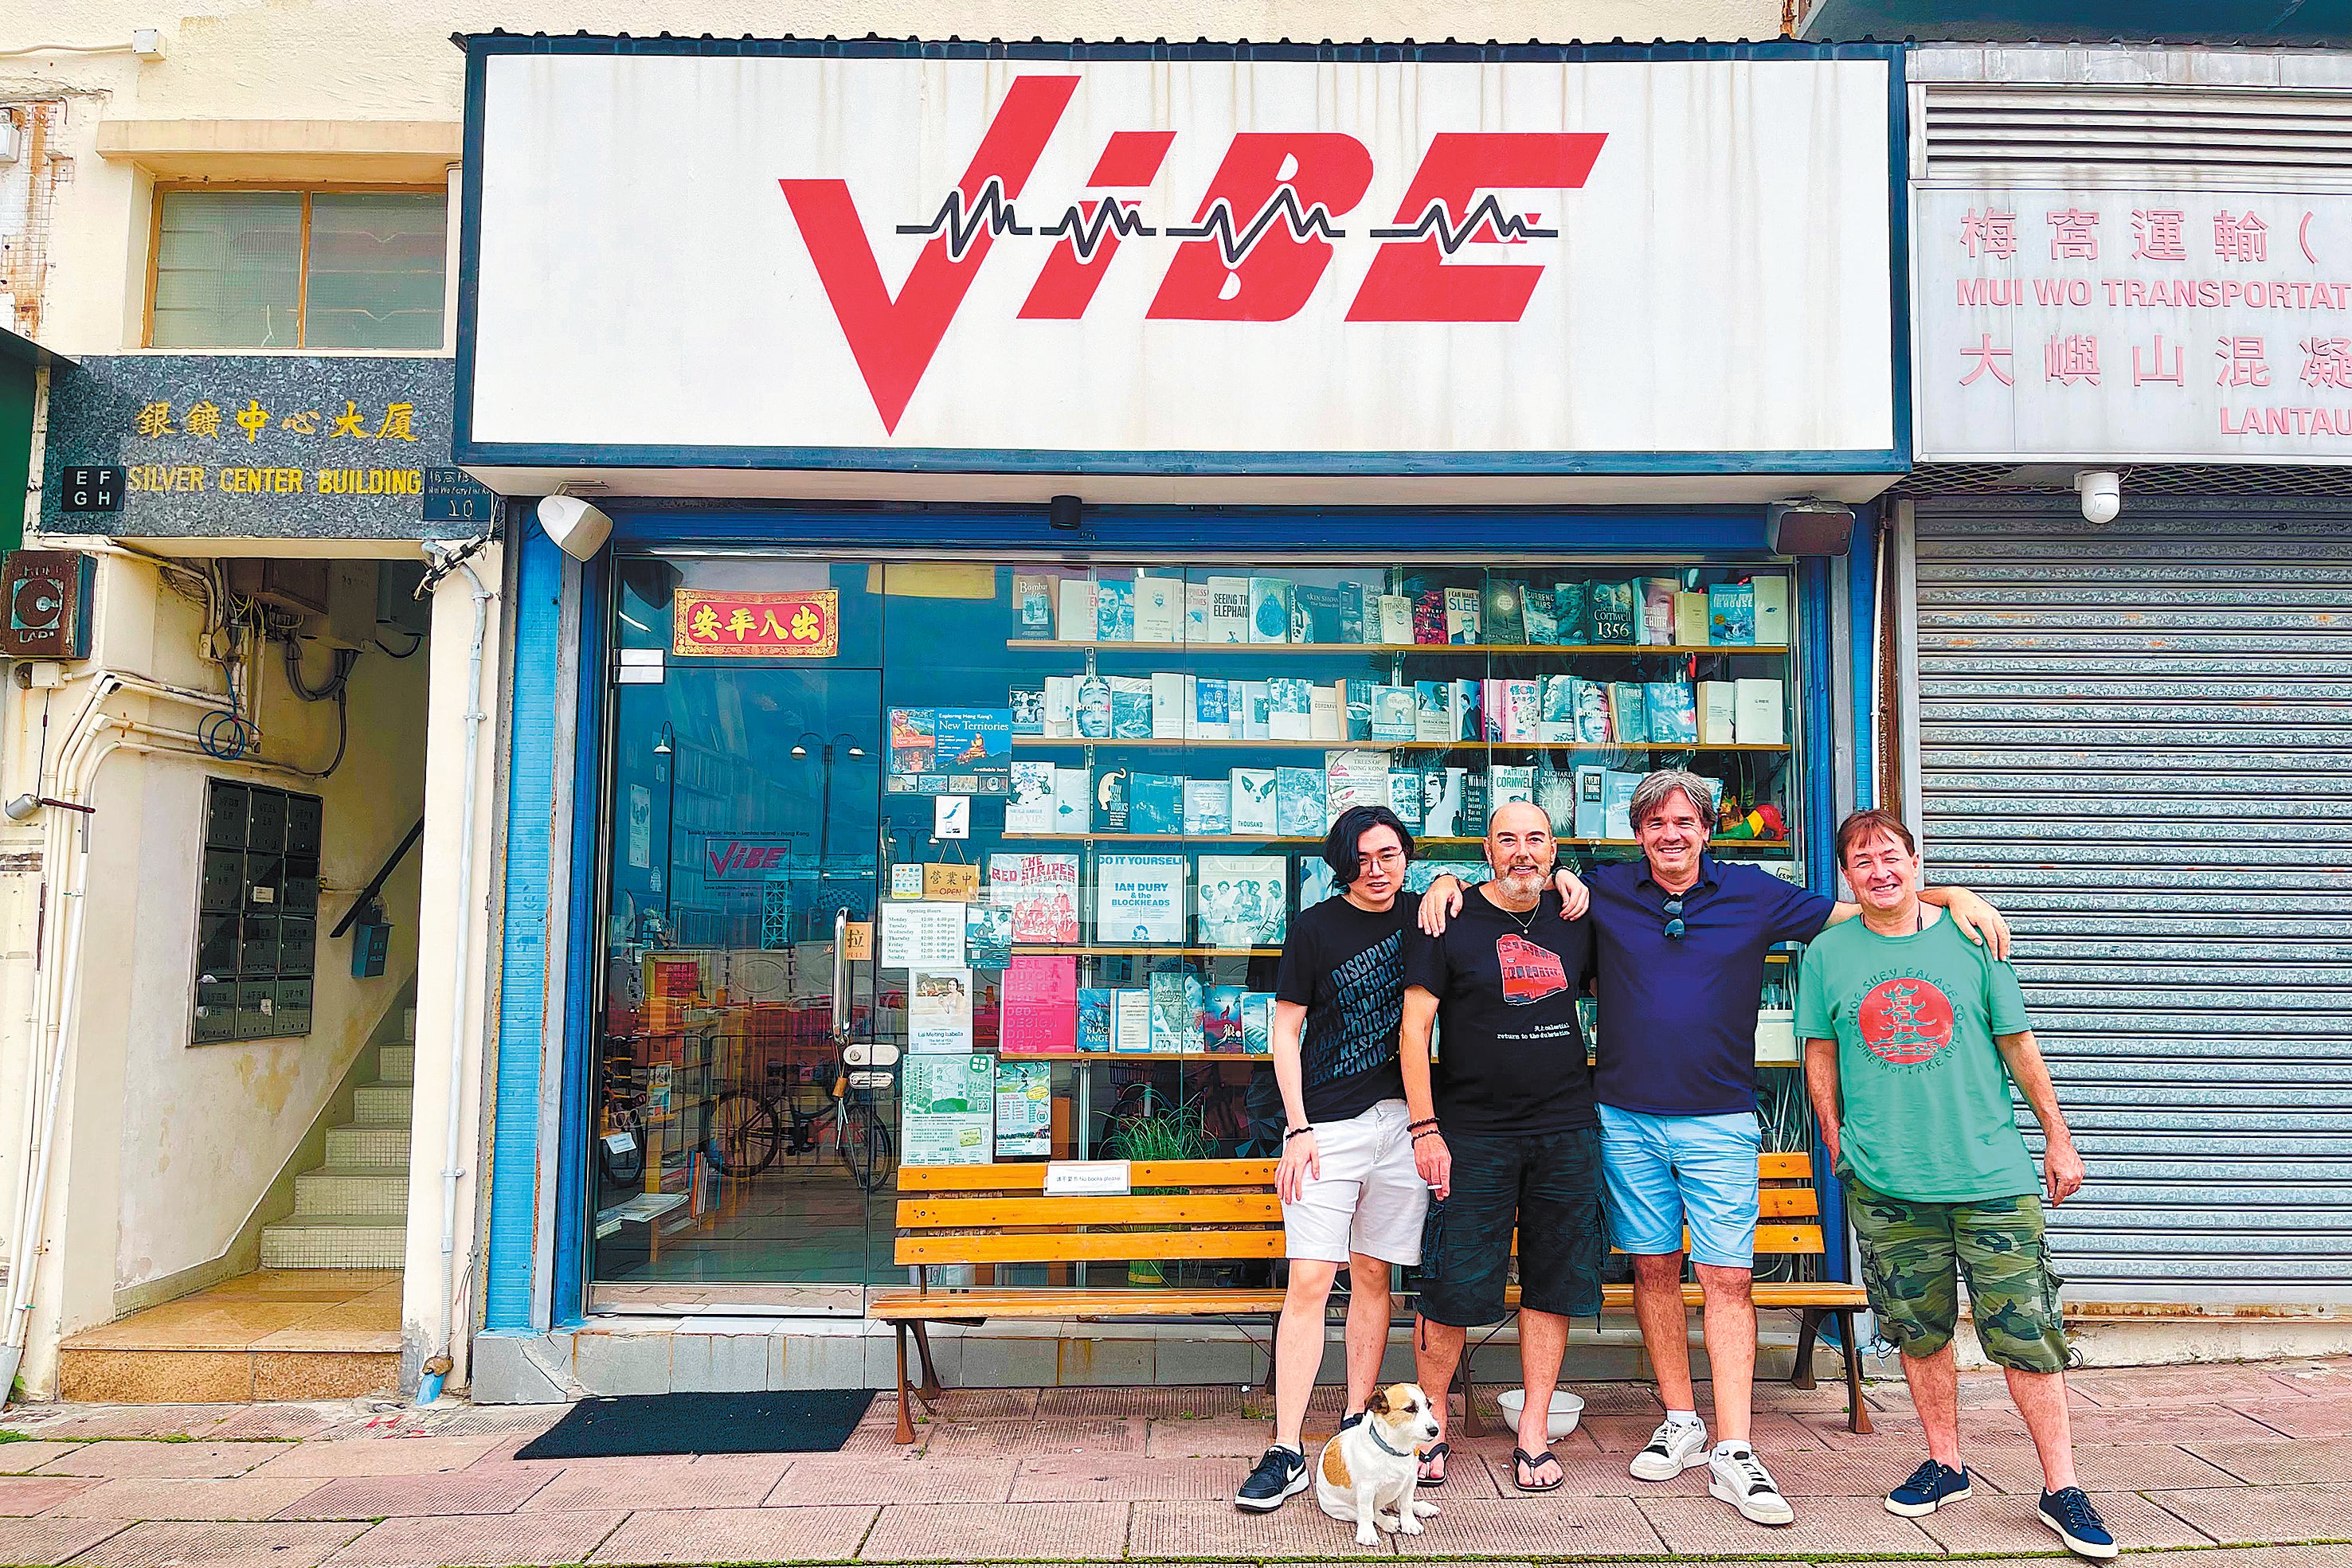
{"type": "Point", "coordinates": [1674, 911]}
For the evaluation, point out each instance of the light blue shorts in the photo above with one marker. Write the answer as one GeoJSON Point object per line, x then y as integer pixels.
{"type": "Point", "coordinates": [1665, 1172]}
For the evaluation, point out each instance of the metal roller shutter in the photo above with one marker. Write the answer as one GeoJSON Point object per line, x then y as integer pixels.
{"type": "Point", "coordinates": [2138, 741]}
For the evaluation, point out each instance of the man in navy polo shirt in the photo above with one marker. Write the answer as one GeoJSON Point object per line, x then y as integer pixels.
{"type": "Point", "coordinates": [1679, 944]}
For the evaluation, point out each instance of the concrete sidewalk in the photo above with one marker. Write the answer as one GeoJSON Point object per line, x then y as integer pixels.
{"type": "Point", "coordinates": [2254, 1459]}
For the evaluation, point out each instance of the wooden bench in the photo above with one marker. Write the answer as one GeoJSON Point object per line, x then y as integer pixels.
{"type": "Point", "coordinates": [1225, 1210]}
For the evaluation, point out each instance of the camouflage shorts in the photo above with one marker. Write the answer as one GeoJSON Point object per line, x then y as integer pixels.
{"type": "Point", "coordinates": [1915, 1254]}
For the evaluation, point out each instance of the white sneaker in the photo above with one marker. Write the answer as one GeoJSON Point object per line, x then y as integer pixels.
{"type": "Point", "coordinates": [1674, 1448]}
{"type": "Point", "coordinates": [1738, 1476]}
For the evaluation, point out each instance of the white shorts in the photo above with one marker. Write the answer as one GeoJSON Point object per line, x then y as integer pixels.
{"type": "Point", "coordinates": [1369, 1198]}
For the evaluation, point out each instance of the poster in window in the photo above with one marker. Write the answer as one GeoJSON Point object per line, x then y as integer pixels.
{"type": "Point", "coordinates": [1025, 1110]}
{"type": "Point", "coordinates": [950, 1109]}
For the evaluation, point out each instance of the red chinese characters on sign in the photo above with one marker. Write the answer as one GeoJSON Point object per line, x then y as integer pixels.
{"type": "Point", "coordinates": [800, 625]}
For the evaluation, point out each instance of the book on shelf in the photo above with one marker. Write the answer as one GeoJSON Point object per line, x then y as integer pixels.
{"type": "Point", "coordinates": [1314, 612]}
{"type": "Point", "coordinates": [1323, 719]}
{"type": "Point", "coordinates": [1393, 714]}
{"type": "Point", "coordinates": [914, 740]}
{"type": "Point", "coordinates": [1629, 720]}
{"type": "Point", "coordinates": [1543, 621]}
{"type": "Point", "coordinates": [1690, 621]}
{"type": "Point", "coordinates": [1358, 611]}
{"type": "Point", "coordinates": [1657, 625]}
{"type": "Point", "coordinates": [1508, 712]}
{"type": "Point", "coordinates": [1315, 882]}
{"type": "Point", "coordinates": [1131, 1020]}
{"type": "Point", "coordinates": [973, 739]}
{"type": "Point", "coordinates": [1130, 708]}
{"type": "Point", "coordinates": [1158, 608]}
{"type": "Point", "coordinates": [1352, 779]}
{"type": "Point", "coordinates": [1243, 900]}
{"type": "Point", "coordinates": [1570, 626]}
{"type": "Point", "coordinates": [1462, 614]}
{"type": "Point", "coordinates": [1041, 890]}
{"type": "Point", "coordinates": [1255, 721]}
{"type": "Point", "coordinates": [1140, 899]}
{"type": "Point", "coordinates": [1356, 721]}
{"type": "Point", "coordinates": [1254, 801]}
{"type": "Point", "coordinates": [1289, 708]}
{"type": "Point", "coordinates": [1429, 616]}
{"type": "Point", "coordinates": [1510, 783]}
{"type": "Point", "coordinates": [1213, 707]}
{"type": "Point", "coordinates": [1074, 610]}
{"type": "Point", "coordinates": [1475, 804]}
{"type": "Point", "coordinates": [1094, 1021]}
{"type": "Point", "coordinates": [987, 935]}
{"type": "Point", "coordinates": [1166, 705]}
{"type": "Point", "coordinates": [1611, 611]}
{"type": "Point", "coordinates": [1592, 802]}
{"type": "Point", "coordinates": [1208, 807]}
{"type": "Point", "coordinates": [1041, 994]}
{"type": "Point", "coordinates": [1033, 606]}
{"type": "Point", "coordinates": [1672, 709]}
{"type": "Point", "coordinates": [1396, 619]}
{"type": "Point", "coordinates": [1196, 612]}
{"type": "Point", "coordinates": [1029, 800]}
{"type": "Point", "coordinates": [1771, 609]}
{"type": "Point", "coordinates": [1405, 797]}
{"type": "Point", "coordinates": [1155, 803]}
{"type": "Point", "coordinates": [1257, 1023]}
{"type": "Point", "coordinates": [1556, 711]}
{"type": "Point", "coordinates": [1111, 799]}
{"type": "Point", "coordinates": [1027, 706]}
{"type": "Point", "coordinates": [1074, 800]}
{"type": "Point", "coordinates": [1269, 609]}
{"type": "Point", "coordinates": [1298, 803]}
{"type": "Point", "coordinates": [1221, 1020]}
{"type": "Point", "coordinates": [1432, 710]}
{"type": "Point", "coordinates": [1062, 706]}
{"type": "Point", "coordinates": [1556, 793]}
{"type": "Point", "coordinates": [1592, 726]}
{"type": "Point", "coordinates": [1617, 803]}
{"type": "Point", "coordinates": [1229, 609]}
{"type": "Point", "coordinates": [1731, 614]}
{"type": "Point", "coordinates": [1469, 721]}
{"type": "Point", "coordinates": [1113, 611]}
{"type": "Point", "coordinates": [1175, 1010]}
{"type": "Point", "coordinates": [1759, 720]}
{"type": "Point", "coordinates": [1719, 713]}
{"type": "Point", "coordinates": [1441, 797]}
{"type": "Point", "coordinates": [1505, 620]}
{"type": "Point", "coordinates": [1091, 706]}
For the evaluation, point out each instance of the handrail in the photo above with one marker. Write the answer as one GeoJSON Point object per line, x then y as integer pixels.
{"type": "Point", "coordinates": [376, 882]}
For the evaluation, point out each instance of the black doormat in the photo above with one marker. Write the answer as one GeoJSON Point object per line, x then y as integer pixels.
{"type": "Point", "coordinates": [804, 1421]}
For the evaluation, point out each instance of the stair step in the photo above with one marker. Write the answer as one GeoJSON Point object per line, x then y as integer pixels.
{"type": "Point", "coordinates": [335, 1241]}
{"type": "Point", "coordinates": [397, 1063]}
{"type": "Point", "coordinates": [365, 1148]}
{"type": "Point", "coordinates": [330, 1191]}
{"type": "Point", "coordinates": [381, 1105]}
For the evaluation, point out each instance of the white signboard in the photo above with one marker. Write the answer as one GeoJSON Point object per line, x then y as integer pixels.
{"type": "Point", "coordinates": [2198, 325]}
{"type": "Point", "coordinates": [708, 258]}
{"type": "Point", "coordinates": [1088, 1178]}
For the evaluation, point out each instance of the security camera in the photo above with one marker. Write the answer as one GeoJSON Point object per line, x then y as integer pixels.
{"type": "Point", "coordinates": [578, 528]}
{"type": "Point", "coordinates": [2102, 490]}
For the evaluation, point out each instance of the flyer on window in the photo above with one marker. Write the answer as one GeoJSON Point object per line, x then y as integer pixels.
{"type": "Point", "coordinates": [1025, 1110]}
{"type": "Point", "coordinates": [938, 1011]}
{"type": "Point", "coordinates": [949, 1110]}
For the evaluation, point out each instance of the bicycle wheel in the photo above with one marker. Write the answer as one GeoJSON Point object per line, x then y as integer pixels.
{"type": "Point", "coordinates": [744, 1137]}
{"type": "Point", "coordinates": [624, 1165]}
{"type": "Point", "coordinates": [865, 1145]}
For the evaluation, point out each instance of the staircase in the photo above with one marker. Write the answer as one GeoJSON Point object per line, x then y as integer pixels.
{"type": "Point", "coordinates": [352, 1211]}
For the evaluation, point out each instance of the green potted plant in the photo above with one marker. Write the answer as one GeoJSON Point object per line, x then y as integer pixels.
{"type": "Point", "coordinates": [1177, 1132]}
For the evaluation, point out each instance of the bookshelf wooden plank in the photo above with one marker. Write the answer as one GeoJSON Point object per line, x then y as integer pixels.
{"type": "Point", "coordinates": [1214, 744]}
{"type": "Point", "coordinates": [1621, 650]}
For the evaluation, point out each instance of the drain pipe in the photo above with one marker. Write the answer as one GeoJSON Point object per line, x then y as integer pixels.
{"type": "Point", "coordinates": [438, 1367]}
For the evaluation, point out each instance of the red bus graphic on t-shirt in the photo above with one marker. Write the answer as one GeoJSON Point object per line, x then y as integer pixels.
{"type": "Point", "coordinates": [1530, 973]}
{"type": "Point", "coordinates": [1906, 1021]}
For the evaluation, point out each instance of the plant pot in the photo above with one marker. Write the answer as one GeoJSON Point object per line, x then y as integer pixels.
{"type": "Point", "coordinates": [1141, 1272]}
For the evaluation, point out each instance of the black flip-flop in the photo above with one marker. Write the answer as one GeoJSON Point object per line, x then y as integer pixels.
{"type": "Point", "coordinates": [1535, 1462]}
{"type": "Point", "coordinates": [1437, 1451]}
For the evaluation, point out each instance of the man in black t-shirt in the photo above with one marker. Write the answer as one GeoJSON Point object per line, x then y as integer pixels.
{"type": "Point", "coordinates": [1504, 1128]}
{"type": "Point", "coordinates": [1349, 1192]}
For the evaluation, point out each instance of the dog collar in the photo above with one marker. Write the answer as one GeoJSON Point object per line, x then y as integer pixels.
{"type": "Point", "coordinates": [1374, 1434]}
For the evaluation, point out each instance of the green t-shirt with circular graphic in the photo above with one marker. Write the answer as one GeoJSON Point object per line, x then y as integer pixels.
{"type": "Point", "coordinates": [1926, 1094]}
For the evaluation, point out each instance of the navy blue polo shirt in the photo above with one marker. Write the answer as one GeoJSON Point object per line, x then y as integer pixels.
{"type": "Point", "coordinates": [1678, 1014]}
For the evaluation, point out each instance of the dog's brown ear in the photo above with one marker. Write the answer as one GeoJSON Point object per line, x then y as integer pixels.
{"type": "Point", "coordinates": [1378, 1403]}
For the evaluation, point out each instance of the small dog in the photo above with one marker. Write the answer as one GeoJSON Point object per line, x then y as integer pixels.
{"type": "Point", "coordinates": [1368, 1473]}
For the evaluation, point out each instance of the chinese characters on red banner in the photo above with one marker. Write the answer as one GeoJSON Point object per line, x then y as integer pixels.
{"type": "Point", "coordinates": [799, 625]}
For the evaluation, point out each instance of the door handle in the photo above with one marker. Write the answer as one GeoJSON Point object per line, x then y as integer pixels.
{"type": "Point", "coordinates": [840, 977]}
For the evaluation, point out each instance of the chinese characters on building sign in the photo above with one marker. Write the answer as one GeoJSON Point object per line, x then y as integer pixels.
{"type": "Point", "coordinates": [803, 625]}
{"type": "Point", "coordinates": [2102, 325]}
{"type": "Point", "coordinates": [251, 434]}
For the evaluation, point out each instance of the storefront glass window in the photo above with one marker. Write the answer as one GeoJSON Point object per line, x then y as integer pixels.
{"type": "Point", "coordinates": [1067, 812]}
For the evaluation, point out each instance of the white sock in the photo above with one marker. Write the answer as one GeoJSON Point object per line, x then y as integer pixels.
{"type": "Point", "coordinates": [1683, 1418]}
{"type": "Point", "coordinates": [1731, 1446]}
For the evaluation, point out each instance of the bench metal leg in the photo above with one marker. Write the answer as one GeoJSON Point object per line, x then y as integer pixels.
{"type": "Point", "coordinates": [930, 1388]}
{"type": "Point", "coordinates": [1808, 1328]}
{"type": "Point", "coordinates": [1471, 1426]}
{"type": "Point", "coordinates": [1857, 1414]}
{"type": "Point", "coordinates": [906, 1433]}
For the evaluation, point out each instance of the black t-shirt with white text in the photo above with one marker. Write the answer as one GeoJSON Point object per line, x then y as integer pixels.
{"type": "Point", "coordinates": [1510, 1054]}
{"type": "Point", "coordinates": [1346, 966]}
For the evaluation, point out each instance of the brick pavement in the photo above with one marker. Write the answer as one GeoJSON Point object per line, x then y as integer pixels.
{"type": "Point", "coordinates": [2215, 1466]}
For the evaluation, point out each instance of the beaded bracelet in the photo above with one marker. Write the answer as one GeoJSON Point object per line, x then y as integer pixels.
{"type": "Point", "coordinates": [1424, 1132]}
{"type": "Point", "coordinates": [1425, 1121]}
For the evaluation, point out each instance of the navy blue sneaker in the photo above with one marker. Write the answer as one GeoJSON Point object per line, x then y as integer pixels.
{"type": "Point", "coordinates": [1348, 1421]}
{"type": "Point", "coordinates": [2078, 1524]}
{"type": "Point", "coordinates": [1280, 1476]}
{"type": "Point", "coordinates": [1931, 1486]}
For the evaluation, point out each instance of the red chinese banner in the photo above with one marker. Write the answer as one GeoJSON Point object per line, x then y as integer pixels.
{"type": "Point", "coordinates": [803, 625]}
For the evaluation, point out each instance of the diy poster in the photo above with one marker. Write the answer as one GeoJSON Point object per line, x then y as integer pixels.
{"type": "Point", "coordinates": [949, 1110]}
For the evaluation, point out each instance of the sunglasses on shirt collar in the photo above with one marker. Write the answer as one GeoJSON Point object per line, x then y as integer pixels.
{"type": "Point", "coordinates": [1673, 909]}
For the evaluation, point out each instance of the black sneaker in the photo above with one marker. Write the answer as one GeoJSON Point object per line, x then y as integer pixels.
{"type": "Point", "coordinates": [1348, 1421]}
{"type": "Point", "coordinates": [1931, 1486]}
{"type": "Point", "coordinates": [2078, 1524]}
{"type": "Point", "coordinates": [1280, 1476]}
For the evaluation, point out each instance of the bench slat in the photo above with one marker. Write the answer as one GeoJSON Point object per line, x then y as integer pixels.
{"type": "Point", "coordinates": [1032, 1178]}
{"type": "Point", "coordinates": [1785, 1167]}
{"type": "Point", "coordinates": [1788, 1202]}
{"type": "Point", "coordinates": [1163, 1209]}
{"type": "Point", "coordinates": [1089, 1247]}
{"type": "Point", "coordinates": [907, 1305]}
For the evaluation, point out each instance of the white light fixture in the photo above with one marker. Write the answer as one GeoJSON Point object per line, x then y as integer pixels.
{"type": "Point", "coordinates": [578, 528]}
{"type": "Point", "coordinates": [2102, 490]}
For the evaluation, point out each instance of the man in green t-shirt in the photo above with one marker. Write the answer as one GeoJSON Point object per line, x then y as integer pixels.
{"type": "Point", "coordinates": [1913, 1036]}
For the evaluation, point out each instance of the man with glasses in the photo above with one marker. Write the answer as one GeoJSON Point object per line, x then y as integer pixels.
{"type": "Point", "coordinates": [1679, 945]}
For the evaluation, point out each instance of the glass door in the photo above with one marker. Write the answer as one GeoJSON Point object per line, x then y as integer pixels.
{"type": "Point", "coordinates": [745, 1117]}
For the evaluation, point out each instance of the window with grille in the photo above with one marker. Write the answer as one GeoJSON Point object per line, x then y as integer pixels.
{"type": "Point", "coordinates": [257, 912]}
{"type": "Point", "coordinates": [299, 269]}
